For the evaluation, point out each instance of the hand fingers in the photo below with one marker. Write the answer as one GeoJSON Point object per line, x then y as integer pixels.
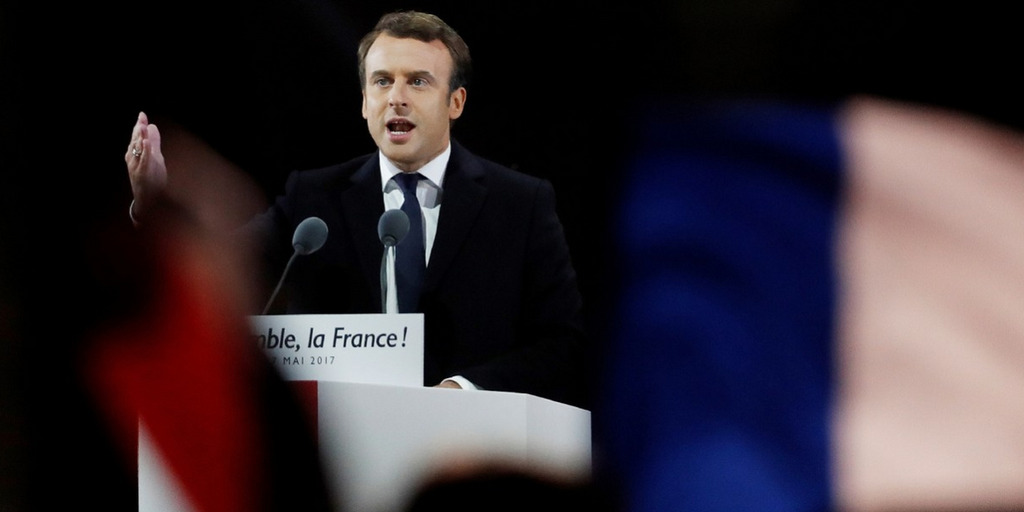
{"type": "Point", "coordinates": [151, 139]}
{"type": "Point", "coordinates": [135, 150]}
{"type": "Point", "coordinates": [140, 128]}
{"type": "Point", "coordinates": [141, 133]}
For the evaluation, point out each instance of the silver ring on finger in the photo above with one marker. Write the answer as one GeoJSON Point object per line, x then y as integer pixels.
{"type": "Point", "coordinates": [136, 152]}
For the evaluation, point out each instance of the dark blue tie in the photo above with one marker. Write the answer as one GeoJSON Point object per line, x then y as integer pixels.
{"type": "Point", "coordinates": [410, 257]}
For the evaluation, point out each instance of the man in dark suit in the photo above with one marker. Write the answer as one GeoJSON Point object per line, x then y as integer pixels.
{"type": "Point", "coordinates": [501, 306]}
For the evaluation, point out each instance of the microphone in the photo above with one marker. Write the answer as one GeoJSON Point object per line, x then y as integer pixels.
{"type": "Point", "coordinates": [308, 238]}
{"type": "Point", "coordinates": [391, 229]}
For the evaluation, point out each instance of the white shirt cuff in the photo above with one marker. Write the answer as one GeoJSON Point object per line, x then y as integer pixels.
{"type": "Point", "coordinates": [462, 381]}
{"type": "Point", "coordinates": [131, 214]}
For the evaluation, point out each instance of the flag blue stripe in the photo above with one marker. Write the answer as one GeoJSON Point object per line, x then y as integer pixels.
{"type": "Point", "coordinates": [719, 367]}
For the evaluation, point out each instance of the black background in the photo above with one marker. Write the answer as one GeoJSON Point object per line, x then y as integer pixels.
{"type": "Point", "coordinates": [272, 86]}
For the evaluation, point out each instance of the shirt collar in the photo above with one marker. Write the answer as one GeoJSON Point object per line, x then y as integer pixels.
{"type": "Point", "coordinates": [432, 170]}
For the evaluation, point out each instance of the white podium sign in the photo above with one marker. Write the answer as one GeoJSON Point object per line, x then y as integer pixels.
{"type": "Point", "coordinates": [368, 348]}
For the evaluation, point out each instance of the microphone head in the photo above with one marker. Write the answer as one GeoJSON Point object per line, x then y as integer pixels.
{"type": "Point", "coordinates": [309, 236]}
{"type": "Point", "coordinates": [392, 227]}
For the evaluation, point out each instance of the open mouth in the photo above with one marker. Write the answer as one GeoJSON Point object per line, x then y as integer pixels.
{"type": "Point", "coordinates": [400, 127]}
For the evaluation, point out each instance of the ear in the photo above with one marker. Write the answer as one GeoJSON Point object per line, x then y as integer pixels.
{"type": "Point", "coordinates": [364, 104]}
{"type": "Point", "coordinates": [456, 103]}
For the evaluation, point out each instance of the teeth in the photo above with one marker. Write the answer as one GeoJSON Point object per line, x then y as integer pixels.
{"type": "Point", "coordinates": [399, 128]}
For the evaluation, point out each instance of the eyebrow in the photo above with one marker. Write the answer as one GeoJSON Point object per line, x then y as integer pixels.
{"type": "Point", "coordinates": [415, 74]}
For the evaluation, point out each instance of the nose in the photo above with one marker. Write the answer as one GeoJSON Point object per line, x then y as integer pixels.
{"type": "Point", "coordinates": [396, 96]}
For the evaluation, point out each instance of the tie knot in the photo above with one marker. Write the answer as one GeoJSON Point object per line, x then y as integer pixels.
{"type": "Point", "coordinates": [408, 180]}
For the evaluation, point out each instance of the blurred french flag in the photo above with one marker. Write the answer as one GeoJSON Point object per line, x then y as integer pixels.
{"type": "Point", "coordinates": [821, 308]}
{"type": "Point", "coordinates": [204, 422]}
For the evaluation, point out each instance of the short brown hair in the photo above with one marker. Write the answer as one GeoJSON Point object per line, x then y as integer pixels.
{"type": "Point", "coordinates": [423, 27]}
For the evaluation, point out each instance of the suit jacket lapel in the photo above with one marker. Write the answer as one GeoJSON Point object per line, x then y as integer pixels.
{"type": "Point", "coordinates": [464, 193]}
{"type": "Point", "coordinates": [362, 204]}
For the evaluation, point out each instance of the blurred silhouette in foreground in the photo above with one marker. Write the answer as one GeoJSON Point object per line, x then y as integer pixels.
{"type": "Point", "coordinates": [148, 361]}
{"type": "Point", "coordinates": [502, 487]}
{"type": "Point", "coordinates": [185, 373]}
{"type": "Point", "coordinates": [819, 310]}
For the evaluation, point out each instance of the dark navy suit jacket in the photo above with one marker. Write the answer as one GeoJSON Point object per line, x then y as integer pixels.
{"type": "Point", "coordinates": [501, 303]}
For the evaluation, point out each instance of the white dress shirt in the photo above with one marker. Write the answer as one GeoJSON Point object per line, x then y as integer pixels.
{"type": "Point", "coordinates": [429, 192]}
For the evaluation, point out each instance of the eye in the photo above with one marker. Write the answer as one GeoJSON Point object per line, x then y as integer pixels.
{"type": "Point", "coordinates": [419, 82]}
{"type": "Point", "coordinates": [382, 81]}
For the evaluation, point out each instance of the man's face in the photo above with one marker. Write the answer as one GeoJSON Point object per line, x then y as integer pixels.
{"type": "Point", "coordinates": [406, 102]}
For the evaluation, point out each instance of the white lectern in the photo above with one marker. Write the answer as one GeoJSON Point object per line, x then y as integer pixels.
{"type": "Point", "coordinates": [381, 438]}
{"type": "Point", "coordinates": [379, 443]}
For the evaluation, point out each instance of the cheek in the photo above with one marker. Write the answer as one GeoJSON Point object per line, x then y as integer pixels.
{"type": "Point", "coordinates": [372, 105]}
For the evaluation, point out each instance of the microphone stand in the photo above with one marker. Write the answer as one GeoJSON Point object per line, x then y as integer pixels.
{"type": "Point", "coordinates": [391, 229]}
{"type": "Point", "coordinates": [280, 282]}
{"type": "Point", "coordinates": [385, 288]}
